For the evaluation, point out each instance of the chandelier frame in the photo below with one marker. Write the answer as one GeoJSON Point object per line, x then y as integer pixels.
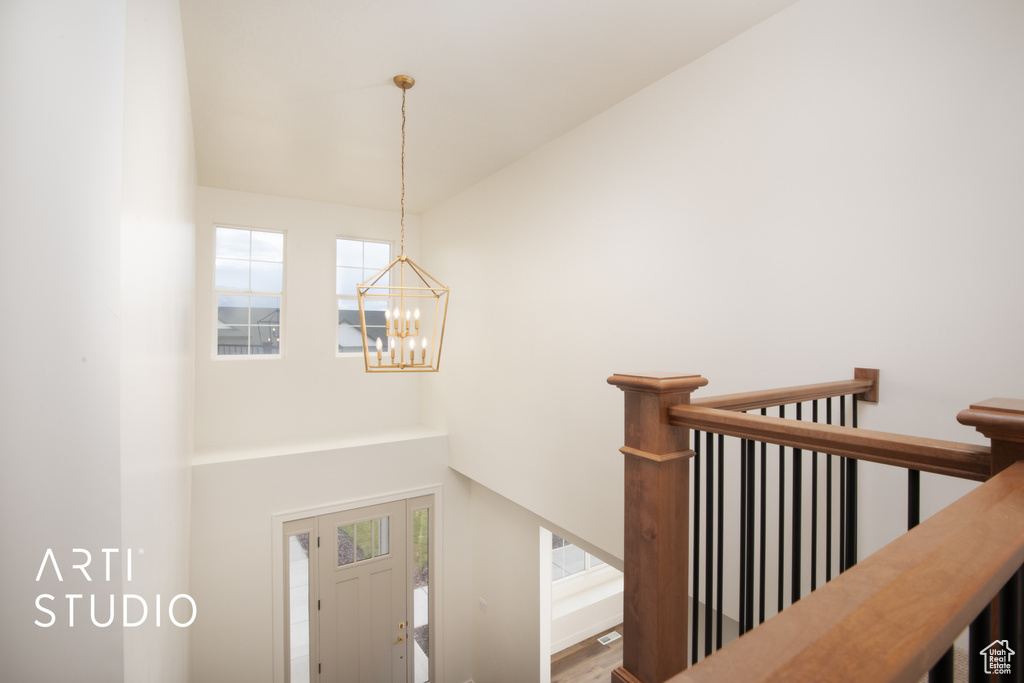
{"type": "Point", "coordinates": [401, 329]}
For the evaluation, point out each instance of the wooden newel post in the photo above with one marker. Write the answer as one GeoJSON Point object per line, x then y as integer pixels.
{"type": "Point", "coordinates": [657, 521]}
{"type": "Point", "coordinates": [1002, 421]}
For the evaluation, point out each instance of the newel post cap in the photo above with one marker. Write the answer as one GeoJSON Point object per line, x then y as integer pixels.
{"type": "Point", "coordinates": [658, 382]}
{"type": "Point", "coordinates": [1000, 419]}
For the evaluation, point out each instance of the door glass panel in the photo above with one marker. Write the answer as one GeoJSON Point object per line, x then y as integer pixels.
{"type": "Point", "coordinates": [420, 583]}
{"type": "Point", "coordinates": [298, 606]}
{"type": "Point", "coordinates": [346, 545]}
{"type": "Point", "coordinates": [382, 546]}
{"type": "Point", "coordinates": [364, 540]}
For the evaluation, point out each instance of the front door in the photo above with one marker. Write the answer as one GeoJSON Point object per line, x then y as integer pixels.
{"type": "Point", "coordinates": [363, 621]}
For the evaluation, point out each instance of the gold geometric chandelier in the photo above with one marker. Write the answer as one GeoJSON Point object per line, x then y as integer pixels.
{"type": "Point", "coordinates": [412, 304]}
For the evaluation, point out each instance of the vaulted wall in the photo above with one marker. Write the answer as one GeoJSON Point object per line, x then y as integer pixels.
{"type": "Point", "coordinates": [837, 187]}
{"type": "Point", "coordinates": [309, 396]}
{"type": "Point", "coordinates": [96, 189]}
{"type": "Point", "coordinates": [304, 432]}
{"type": "Point", "coordinates": [157, 314]}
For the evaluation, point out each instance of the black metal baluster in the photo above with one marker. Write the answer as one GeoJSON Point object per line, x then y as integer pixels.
{"type": "Point", "coordinates": [828, 499]}
{"type": "Point", "coordinates": [721, 544]}
{"type": "Point", "coordinates": [913, 498]}
{"type": "Point", "coordinates": [797, 519]}
{"type": "Point", "coordinates": [749, 612]}
{"type": "Point", "coordinates": [744, 502]}
{"type": "Point", "coordinates": [851, 498]}
{"type": "Point", "coordinates": [842, 493]}
{"type": "Point", "coordinates": [695, 592]}
{"type": "Point", "coordinates": [980, 638]}
{"type": "Point", "coordinates": [1009, 622]}
{"type": "Point", "coordinates": [709, 556]}
{"type": "Point", "coordinates": [814, 506]}
{"type": "Point", "coordinates": [1017, 645]}
{"type": "Point", "coordinates": [782, 516]}
{"type": "Point", "coordinates": [764, 523]}
{"type": "Point", "coordinates": [942, 672]}
{"type": "Point", "coordinates": [1018, 669]}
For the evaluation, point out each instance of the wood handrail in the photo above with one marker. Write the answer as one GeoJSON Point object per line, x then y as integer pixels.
{"type": "Point", "coordinates": [750, 400]}
{"type": "Point", "coordinates": [891, 616]}
{"type": "Point", "coordinates": [966, 461]}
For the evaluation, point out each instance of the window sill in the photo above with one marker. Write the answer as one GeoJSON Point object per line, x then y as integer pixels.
{"type": "Point", "coordinates": [576, 593]}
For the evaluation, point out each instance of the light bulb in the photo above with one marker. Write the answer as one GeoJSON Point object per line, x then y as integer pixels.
{"type": "Point", "coordinates": [379, 344]}
{"type": "Point", "coordinates": [387, 315]}
{"type": "Point", "coordinates": [417, 314]}
{"type": "Point", "coordinates": [424, 343]}
{"type": "Point", "coordinates": [407, 315]}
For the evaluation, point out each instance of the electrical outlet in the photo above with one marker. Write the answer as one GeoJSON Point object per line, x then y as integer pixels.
{"type": "Point", "coordinates": [483, 606]}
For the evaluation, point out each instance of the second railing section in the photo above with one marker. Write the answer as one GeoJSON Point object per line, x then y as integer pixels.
{"type": "Point", "coordinates": [769, 523]}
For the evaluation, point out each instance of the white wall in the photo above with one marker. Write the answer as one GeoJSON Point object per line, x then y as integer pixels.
{"type": "Point", "coordinates": [506, 643]}
{"type": "Point", "coordinates": [588, 611]}
{"type": "Point", "coordinates": [157, 359]}
{"type": "Point", "coordinates": [96, 185]}
{"type": "Point", "coordinates": [309, 395]}
{"type": "Point", "coordinates": [506, 638]}
{"type": "Point", "coordinates": [233, 503]}
{"type": "Point", "coordinates": [62, 88]}
{"type": "Point", "coordinates": [837, 187]}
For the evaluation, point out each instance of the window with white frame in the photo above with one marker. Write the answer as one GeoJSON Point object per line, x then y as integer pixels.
{"type": "Point", "coordinates": [358, 260]}
{"type": "Point", "coordinates": [568, 560]}
{"type": "Point", "coordinates": [249, 284]}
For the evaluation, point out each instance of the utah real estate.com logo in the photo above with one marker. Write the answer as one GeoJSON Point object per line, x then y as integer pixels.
{"type": "Point", "coordinates": [997, 657]}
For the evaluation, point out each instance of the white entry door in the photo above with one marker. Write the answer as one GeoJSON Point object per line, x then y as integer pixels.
{"type": "Point", "coordinates": [364, 629]}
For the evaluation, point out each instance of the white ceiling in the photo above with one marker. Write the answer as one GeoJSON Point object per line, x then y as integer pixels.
{"type": "Point", "coordinates": [295, 97]}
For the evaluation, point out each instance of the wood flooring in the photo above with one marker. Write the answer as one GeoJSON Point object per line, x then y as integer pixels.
{"type": "Point", "coordinates": [587, 662]}
{"type": "Point", "coordinates": [592, 662]}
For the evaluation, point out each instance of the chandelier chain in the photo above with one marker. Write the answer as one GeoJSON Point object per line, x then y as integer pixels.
{"type": "Point", "coordinates": [403, 172]}
{"type": "Point", "coordinates": [413, 340]}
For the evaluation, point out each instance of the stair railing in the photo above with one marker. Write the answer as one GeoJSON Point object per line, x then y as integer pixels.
{"type": "Point", "coordinates": [659, 418]}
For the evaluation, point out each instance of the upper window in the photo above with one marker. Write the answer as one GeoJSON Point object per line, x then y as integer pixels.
{"type": "Point", "coordinates": [358, 261]}
{"type": "Point", "coordinates": [570, 560]}
{"type": "Point", "coordinates": [249, 282]}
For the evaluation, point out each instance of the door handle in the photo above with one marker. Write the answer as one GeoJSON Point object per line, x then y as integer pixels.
{"type": "Point", "coordinates": [401, 639]}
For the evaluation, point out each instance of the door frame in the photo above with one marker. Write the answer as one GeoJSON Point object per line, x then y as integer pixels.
{"type": "Point", "coordinates": [436, 567]}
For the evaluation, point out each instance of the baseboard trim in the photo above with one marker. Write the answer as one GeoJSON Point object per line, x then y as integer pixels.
{"type": "Point", "coordinates": [589, 632]}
